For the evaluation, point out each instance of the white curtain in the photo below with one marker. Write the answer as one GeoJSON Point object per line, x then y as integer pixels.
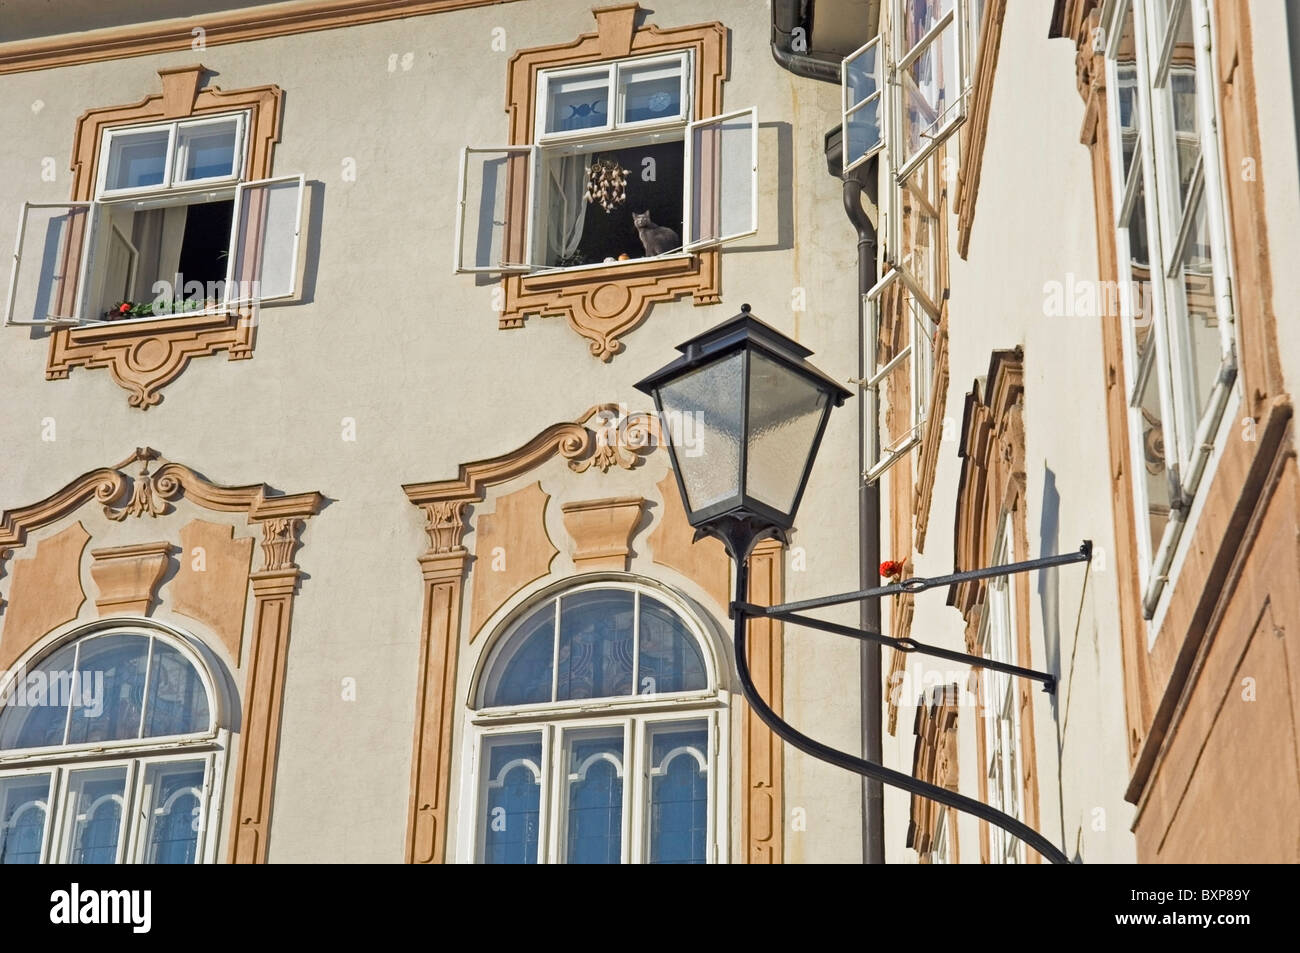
{"type": "Point", "coordinates": [568, 208]}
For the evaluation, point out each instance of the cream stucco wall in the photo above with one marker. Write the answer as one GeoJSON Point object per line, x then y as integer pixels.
{"type": "Point", "coordinates": [388, 339]}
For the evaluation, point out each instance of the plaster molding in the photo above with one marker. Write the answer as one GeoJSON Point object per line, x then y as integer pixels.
{"type": "Point", "coordinates": [934, 760]}
{"type": "Point", "coordinates": [602, 530]}
{"type": "Point", "coordinates": [511, 549]}
{"type": "Point", "coordinates": [762, 753]}
{"type": "Point", "coordinates": [128, 577]}
{"type": "Point", "coordinates": [44, 592]}
{"type": "Point", "coordinates": [977, 125]}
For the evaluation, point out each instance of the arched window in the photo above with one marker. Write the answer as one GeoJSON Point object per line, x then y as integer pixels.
{"type": "Point", "coordinates": [109, 747]}
{"type": "Point", "coordinates": [598, 724]}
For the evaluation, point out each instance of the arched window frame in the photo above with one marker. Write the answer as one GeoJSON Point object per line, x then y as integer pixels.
{"type": "Point", "coordinates": [137, 755]}
{"type": "Point", "coordinates": [638, 715]}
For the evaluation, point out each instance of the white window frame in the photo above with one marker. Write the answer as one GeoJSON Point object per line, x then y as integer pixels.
{"type": "Point", "coordinates": [173, 157]}
{"type": "Point", "coordinates": [59, 761]}
{"type": "Point", "coordinates": [1189, 438]}
{"type": "Point", "coordinates": [636, 714]}
{"type": "Point", "coordinates": [900, 60]}
{"type": "Point", "coordinates": [1003, 738]}
{"type": "Point", "coordinates": [847, 108]}
{"type": "Point", "coordinates": [615, 134]}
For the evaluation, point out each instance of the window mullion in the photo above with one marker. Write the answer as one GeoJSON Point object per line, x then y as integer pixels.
{"type": "Point", "coordinates": [927, 40]}
{"type": "Point", "coordinates": [549, 822]}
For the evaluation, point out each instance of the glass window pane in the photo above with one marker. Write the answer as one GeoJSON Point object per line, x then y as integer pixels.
{"type": "Point", "coordinates": [1153, 455]}
{"type": "Point", "coordinates": [862, 132]}
{"type": "Point", "coordinates": [595, 658]}
{"type": "Point", "coordinates": [1126, 94]}
{"type": "Point", "coordinates": [1193, 299]}
{"type": "Point", "coordinates": [679, 794]}
{"type": "Point", "coordinates": [178, 702]}
{"type": "Point", "coordinates": [110, 676]}
{"type": "Point", "coordinates": [35, 710]}
{"type": "Point", "coordinates": [651, 92]}
{"type": "Point", "coordinates": [579, 101]}
{"type": "Point", "coordinates": [137, 160]}
{"type": "Point", "coordinates": [594, 779]}
{"type": "Point", "coordinates": [95, 805]}
{"type": "Point", "coordinates": [521, 674]}
{"type": "Point", "coordinates": [785, 413]}
{"type": "Point", "coordinates": [206, 151]}
{"type": "Point", "coordinates": [496, 193]}
{"type": "Point", "coordinates": [702, 410]}
{"type": "Point", "coordinates": [24, 803]}
{"type": "Point", "coordinates": [53, 242]}
{"type": "Point", "coordinates": [931, 88]}
{"type": "Point", "coordinates": [921, 16]}
{"type": "Point", "coordinates": [860, 74]}
{"type": "Point", "coordinates": [265, 251]}
{"type": "Point", "coordinates": [174, 802]}
{"type": "Point", "coordinates": [670, 658]}
{"type": "Point", "coordinates": [511, 802]}
{"type": "Point", "coordinates": [722, 179]}
{"type": "Point", "coordinates": [1184, 116]}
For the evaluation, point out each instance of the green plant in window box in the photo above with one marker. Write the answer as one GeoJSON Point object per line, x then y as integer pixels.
{"type": "Point", "coordinates": [154, 309]}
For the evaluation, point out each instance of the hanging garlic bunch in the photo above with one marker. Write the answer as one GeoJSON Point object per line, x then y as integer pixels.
{"type": "Point", "coordinates": [606, 184]}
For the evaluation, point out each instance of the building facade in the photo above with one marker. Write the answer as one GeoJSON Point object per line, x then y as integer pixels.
{"type": "Point", "coordinates": [334, 530]}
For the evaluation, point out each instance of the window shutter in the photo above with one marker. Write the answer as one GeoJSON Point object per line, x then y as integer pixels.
{"type": "Point", "coordinates": [722, 179]}
{"type": "Point", "coordinates": [494, 224]}
{"type": "Point", "coordinates": [51, 260]}
{"type": "Point", "coordinates": [862, 132]}
{"type": "Point", "coordinates": [264, 237]}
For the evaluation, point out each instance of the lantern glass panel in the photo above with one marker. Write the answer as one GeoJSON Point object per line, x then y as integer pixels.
{"type": "Point", "coordinates": [703, 410]}
{"type": "Point", "coordinates": [785, 413]}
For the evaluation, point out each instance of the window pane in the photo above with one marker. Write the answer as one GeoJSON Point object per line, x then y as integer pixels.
{"type": "Point", "coordinates": [512, 800]}
{"type": "Point", "coordinates": [24, 802]}
{"type": "Point", "coordinates": [1183, 114]}
{"type": "Point", "coordinates": [1193, 297]}
{"type": "Point", "coordinates": [521, 674]}
{"type": "Point", "coordinates": [1153, 456]}
{"type": "Point", "coordinates": [679, 794]}
{"type": "Point", "coordinates": [111, 674]}
{"type": "Point", "coordinates": [722, 179]}
{"type": "Point", "coordinates": [930, 90]}
{"type": "Point", "coordinates": [594, 776]}
{"type": "Point", "coordinates": [137, 160]}
{"type": "Point", "coordinates": [36, 706]}
{"type": "Point", "coordinates": [595, 659]}
{"type": "Point", "coordinates": [919, 17]}
{"type": "Point", "coordinates": [860, 74]}
{"type": "Point", "coordinates": [178, 702]}
{"type": "Point", "coordinates": [96, 800]}
{"type": "Point", "coordinates": [670, 659]}
{"type": "Point", "coordinates": [496, 193]}
{"type": "Point", "coordinates": [174, 799]}
{"type": "Point", "coordinates": [578, 102]}
{"type": "Point", "coordinates": [651, 92]}
{"type": "Point", "coordinates": [45, 283]}
{"type": "Point", "coordinates": [206, 151]}
{"type": "Point", "coordinates": [1126, 95]}
{"type": "Point", "coordinates": [862, 134]}
{"type": "Point", "coordinates": [265, 264]}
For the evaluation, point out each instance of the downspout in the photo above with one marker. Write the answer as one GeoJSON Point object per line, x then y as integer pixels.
{"type": "Point", "coordinates": [857, 184]}
{"type": "Point", "coordinates": [787, 16]}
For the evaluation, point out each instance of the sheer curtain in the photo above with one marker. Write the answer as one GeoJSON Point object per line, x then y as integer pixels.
{"type": "Point", "coordinates": [568, 207]}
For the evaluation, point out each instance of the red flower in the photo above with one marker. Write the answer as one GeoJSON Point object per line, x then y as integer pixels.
{"type": "Point", "coordinates": [123, 308]}
{"type": "Point", "coordinates": [891, 568]}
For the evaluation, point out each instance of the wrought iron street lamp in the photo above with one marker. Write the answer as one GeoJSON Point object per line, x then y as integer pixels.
{"type": "Point", "coordinates": [744, 413]}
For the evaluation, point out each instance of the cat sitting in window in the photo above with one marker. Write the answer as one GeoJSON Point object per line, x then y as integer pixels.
{"type": "Point", "coordinates": [656, 239]}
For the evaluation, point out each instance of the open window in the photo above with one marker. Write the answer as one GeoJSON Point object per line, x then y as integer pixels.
{"type": "Point", "coordinates": [863, 122]}
{"type": "Point", "coordinates": [617, 172]}
{"type": "Point", "coordinates": [173, 230]}
{"type": "Point", "coordinates": [928, 77]}
{"type": "Point", "coordinates": [901, 357]}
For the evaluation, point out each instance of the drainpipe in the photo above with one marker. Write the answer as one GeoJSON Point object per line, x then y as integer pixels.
{"type": "Point", "coordinates": [787, 15]}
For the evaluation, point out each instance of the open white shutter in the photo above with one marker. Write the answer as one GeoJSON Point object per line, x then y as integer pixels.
{"type": "Point", "coordinates": [51, 261]}
{"type": "Point", "coordinates": [721, 179]}
{"type": "Point", "coordinates": [494, 224]}
{"type": "Point", "coordinates": [862, 132]}
{"type": "Point", "coordinates": [264, 236]}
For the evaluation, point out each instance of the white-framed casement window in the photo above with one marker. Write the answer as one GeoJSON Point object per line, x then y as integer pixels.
{"type": "Point", "coordinates": [1175, 272]}
{"type": "Point", "coordinates": [928, 78]}
{"type": "Point", "coordinates": [175, 228]}
{"type": "Point", "coordinates": [618, 171]}
{"type": "Point", "coordinates": [111, 752]}
{"type": "Point", "coordinates": [1001, 710]}
{"type": "Point", "coordinates": [863, 128]}
{"type": "Point", "coordinates": [906, 370]}
{"type": "Point", "coordinates": [596, 735]}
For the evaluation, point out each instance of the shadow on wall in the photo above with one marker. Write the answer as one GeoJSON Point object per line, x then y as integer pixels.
{"type": "Point", "coordinates": [1049, 581]}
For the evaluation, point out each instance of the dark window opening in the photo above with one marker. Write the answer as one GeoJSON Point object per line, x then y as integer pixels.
{"type": "Point", "coordinates": [206, 243]}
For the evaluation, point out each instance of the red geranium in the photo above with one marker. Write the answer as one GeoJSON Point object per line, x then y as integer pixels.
{"type": "Point", "coordinates": [891, 568]}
